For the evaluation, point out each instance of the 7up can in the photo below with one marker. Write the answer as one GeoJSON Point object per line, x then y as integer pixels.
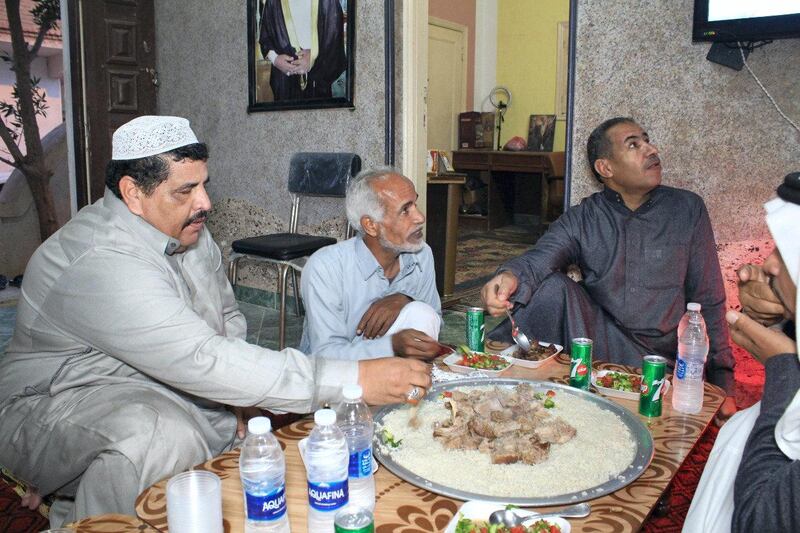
{"type": "Point", "coordinates": [654, 369]}
{"type": "Point", "coordinates": [354, 520]}
{"type": "Point", "coordinates": [580, 368]}
{"type": "Point", "coordinates": [475, 328]}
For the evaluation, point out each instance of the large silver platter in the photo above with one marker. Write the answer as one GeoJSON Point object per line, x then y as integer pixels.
{"type": "Point", "coordinates": [641, 460]}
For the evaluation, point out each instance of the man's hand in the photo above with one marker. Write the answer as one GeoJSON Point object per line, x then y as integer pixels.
{"type": "Point", "coordinates": [243, 414]}
{"type": "Point", "coordinates": [497, 291]}
{"type": "Point", "coordinates": [391, 379]}
{"type": "Point", "coordinates": [761, 341]}
{"type": "Point", "coordinates": [758, 300]}
{"type": "Point", "coordinates": [414, 343]}
{"type": "Point", "coordinates": [303, 62]}
{"type": "Point", "coordinates": [381, 315]}
{"type": "Point", "coordinates": [285, 63]}
{"type": "Point", "coordinates": [726, 410]}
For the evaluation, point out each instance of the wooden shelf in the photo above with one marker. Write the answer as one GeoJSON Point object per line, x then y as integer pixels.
{"type": "Point", "coordinates": [500, 170]}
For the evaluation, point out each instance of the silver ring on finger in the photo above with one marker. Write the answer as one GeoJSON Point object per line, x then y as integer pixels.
{"type": "Point", "coordinates": [414, 394]}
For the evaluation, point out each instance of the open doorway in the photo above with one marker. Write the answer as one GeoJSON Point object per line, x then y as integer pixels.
{"type": "Point", "coordinates": [507, 62]}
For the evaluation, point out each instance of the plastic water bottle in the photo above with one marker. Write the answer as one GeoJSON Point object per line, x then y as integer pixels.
{"type": "Point", "coordinates": [687, 384]}
{"type": "Point", "coordinates": [263, 472]}
{"type": "Point", "coordinates": [355, 421]}
{"type": "Point", "coordinates": [326, 460]}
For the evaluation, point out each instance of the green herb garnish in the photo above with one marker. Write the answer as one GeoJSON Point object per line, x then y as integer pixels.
{"type": "Point", "coordinates": [388, 439]}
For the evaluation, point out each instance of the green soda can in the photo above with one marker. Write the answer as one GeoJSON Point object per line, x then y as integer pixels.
{"type": "Point", "coordinates": [654, 369]}
{"type": "Point", "coordinates": [475, 329]}
{"type": "Point", "coordinates": [354, 520]}
{"type": "Point", "coordinates": [580, 368]}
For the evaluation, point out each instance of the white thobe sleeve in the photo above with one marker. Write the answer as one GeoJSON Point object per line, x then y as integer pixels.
{"type": "Point", "coordinates": [129, 308]}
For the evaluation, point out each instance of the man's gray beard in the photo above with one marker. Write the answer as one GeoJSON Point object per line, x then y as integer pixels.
{"type": "Point", "coordinates": [400, 248]}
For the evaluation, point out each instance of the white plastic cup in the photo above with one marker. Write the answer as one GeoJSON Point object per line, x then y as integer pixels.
{"type": "Point", "coordinates": [194, 502]}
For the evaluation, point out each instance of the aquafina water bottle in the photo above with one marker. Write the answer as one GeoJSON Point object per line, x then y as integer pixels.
{"type": "Point", "coordinates": [326, 459]}
{"type": "Point", "coordinates": [355, 421]}
{"type": "Point", "coordinates": [687, 383]}
{"type": "Point", "coordinates": [263, 472]}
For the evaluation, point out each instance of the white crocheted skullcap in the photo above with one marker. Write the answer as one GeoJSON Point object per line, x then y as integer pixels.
{"type": "Point", "coordinates": [150, 135]}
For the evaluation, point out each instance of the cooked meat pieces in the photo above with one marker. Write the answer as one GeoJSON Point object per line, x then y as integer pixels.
{"type": "Point", "coordinates": [508, 425]}
{"type": "Point", "coordinates": [554, 430]}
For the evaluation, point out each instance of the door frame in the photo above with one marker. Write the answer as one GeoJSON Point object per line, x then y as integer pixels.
{"type": "Point", "coordinates": [414, 137]}
{"type": "Point", "coordinates": [73, 96]}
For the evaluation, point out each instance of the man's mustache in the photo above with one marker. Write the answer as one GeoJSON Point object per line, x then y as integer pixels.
{"type": "Point", "coordinates": [200, 216]}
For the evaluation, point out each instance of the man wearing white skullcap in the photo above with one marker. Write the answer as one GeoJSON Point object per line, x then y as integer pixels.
{"type": "Point", "coordinates": [129, 344]}
{"type": "Point", "coordinates": [752, 477]}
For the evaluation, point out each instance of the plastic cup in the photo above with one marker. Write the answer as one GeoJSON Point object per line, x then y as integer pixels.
{"type": "Point", "coordinates": [194, 502]}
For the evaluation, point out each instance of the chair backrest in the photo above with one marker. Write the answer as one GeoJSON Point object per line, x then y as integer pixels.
{"type": "Point", "coordinates": [322, 173]}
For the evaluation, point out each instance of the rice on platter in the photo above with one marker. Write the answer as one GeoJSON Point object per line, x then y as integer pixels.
{"type": "Point", "coordinates": [601, 449]}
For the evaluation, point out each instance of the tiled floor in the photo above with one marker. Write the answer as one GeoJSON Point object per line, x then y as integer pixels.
{"type": "Point", "coordinates": [262, 326]}
{"type": "Point", "coordinates": [8, 314]}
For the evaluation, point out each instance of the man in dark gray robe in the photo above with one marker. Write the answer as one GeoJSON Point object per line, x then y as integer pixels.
{"type": "Point", "coordinates": [304, 42]}
{"type": "Point", "coordinates": [645, 250]}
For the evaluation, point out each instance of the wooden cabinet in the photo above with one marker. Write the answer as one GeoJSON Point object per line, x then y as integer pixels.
{"type": "Point", "coordinates": [500, 171]}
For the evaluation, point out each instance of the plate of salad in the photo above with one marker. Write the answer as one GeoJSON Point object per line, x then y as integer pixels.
{"type": "Point", "coordinates": [473, 517]}
{"type": "Point", "coordinates": [466, 361]}
{"type": "Point", "coordinates": [618, 384]}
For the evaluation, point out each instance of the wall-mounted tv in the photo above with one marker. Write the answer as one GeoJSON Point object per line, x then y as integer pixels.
{"type": "Point", "coordinates": [745, 20]}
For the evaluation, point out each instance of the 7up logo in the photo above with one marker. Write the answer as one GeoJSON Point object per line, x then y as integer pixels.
{"type": "Point", "coordinates": [658, 385]}
{"type": "Point", "coordinates": [578, 368]}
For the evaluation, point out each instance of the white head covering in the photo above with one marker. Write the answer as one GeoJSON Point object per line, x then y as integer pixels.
{"type": "Point", "coordinates": [150, 135]}
{"type": "Point", "coordinates": [783, 219]}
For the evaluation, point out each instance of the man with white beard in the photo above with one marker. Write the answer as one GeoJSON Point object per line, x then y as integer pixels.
{"type": "Point", "coordinates": [375, 294]}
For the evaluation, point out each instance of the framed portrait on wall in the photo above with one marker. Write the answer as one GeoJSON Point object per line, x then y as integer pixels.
{"type": "Point", "coordinates": [301, 54]}
{"type": "Point", "coordinates": [541, 133]}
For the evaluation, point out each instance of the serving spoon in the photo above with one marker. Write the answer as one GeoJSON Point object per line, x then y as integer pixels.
{"type": "Point", "coordinates": [509, 517]}
{"type": "Point", "coordinates": [520, 338]}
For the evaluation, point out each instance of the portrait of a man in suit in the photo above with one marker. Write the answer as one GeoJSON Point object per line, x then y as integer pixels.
{"type": "Point", "coordinates": [541, 133]}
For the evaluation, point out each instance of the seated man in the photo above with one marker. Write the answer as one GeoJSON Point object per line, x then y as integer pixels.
{"type": "Point", "coordinates": [644, 249]}
{"type": "Point", "coordinates": [759, 446]}
{"type": "Point", "coordinates": [375, 294]}
{"type": "Point", "coordinates": [129, 343]}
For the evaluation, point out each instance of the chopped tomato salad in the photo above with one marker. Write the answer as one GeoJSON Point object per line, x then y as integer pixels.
{"type": "Point", "coordinates": [621, 381]}
{"type": "Point", "coordinates": [483, 361]}
{"type": "Point", "coordinates": [465, 525]}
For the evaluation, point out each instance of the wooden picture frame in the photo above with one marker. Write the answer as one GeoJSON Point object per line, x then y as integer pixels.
{"type": "Point", "coordinates": [309, 69]}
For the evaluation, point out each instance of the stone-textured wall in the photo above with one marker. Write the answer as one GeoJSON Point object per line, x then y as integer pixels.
{"type": "Point", "coordinates": [202, 64]}
{"type": "Point", "coordinates": [717, 131]}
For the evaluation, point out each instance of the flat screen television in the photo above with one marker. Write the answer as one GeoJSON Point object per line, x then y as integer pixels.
{"type": "Point", "coordinates": [745, 20]}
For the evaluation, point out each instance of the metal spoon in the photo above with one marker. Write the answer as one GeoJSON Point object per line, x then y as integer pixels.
{"type": "Point", "coordinates": [520, 338]}
{"type": "Point", "coordinates": [509, 517]}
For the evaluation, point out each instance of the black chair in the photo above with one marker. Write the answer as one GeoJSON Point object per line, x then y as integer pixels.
{"type": "Point", "coordinates": [310, 174]}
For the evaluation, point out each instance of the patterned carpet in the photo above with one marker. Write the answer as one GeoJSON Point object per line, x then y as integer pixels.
{"type": "Point", "coordinates": [13, 517]}
{"type": "Point", "coordinates": [479, 255]}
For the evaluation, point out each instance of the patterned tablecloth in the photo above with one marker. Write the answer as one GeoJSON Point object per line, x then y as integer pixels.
{"type": "Point", "coordinates": [402, 507]}
{"type": "Point", "coordinates": [111, 523]}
